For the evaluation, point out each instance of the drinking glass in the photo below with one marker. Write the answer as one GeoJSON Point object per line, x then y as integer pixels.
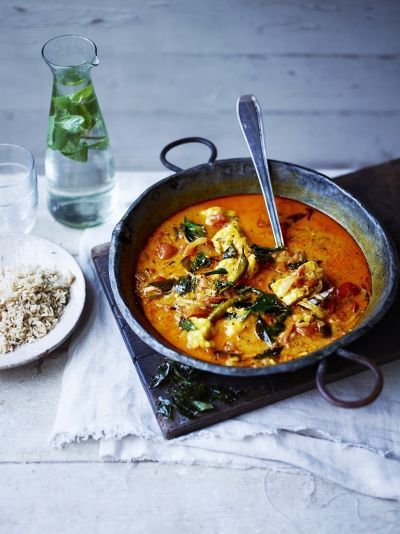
{"type": "Point", "coordinates": [18, 189]}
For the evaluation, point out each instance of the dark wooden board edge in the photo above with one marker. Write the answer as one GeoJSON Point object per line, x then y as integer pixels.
{"type": "Point", "coordinates": [260, 392]}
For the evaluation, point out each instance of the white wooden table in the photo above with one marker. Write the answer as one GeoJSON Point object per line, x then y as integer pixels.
{"type": "Point", "coordinates": [43, 490]}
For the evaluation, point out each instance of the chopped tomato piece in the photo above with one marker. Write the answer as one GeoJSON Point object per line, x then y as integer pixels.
{"type": "Point", "coordinates": [166, 251]}
{"type": "Point", "coordinates": [348, 289]}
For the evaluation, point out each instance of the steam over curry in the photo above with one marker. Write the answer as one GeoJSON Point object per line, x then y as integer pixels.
{"type": "Point", "coordinates": [212, 283]}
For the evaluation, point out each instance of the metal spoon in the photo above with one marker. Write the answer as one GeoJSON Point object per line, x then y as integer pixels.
{"type": "Point", "coordinates": [250, 119]}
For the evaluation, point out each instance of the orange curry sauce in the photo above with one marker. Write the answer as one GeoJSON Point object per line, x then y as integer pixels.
{"type": "Point", "coordinates": [232, 338]}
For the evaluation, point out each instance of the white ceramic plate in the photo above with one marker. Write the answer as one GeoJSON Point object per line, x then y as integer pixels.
{"type": "Point", "coordinates": [22, 249]}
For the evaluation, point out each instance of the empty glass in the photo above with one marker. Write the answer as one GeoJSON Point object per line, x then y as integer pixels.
{"type": "Point", "coordinates": [18, 189]}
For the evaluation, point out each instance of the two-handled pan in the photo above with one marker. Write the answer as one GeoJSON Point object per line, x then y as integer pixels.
{"type": "Point", "coordinates": [233, 177]}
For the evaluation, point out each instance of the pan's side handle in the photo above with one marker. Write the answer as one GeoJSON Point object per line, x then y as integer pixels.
{"type": "Point", "coordinates": [184, 141]}
{"type": "Point", "coordinates": [320, 379]}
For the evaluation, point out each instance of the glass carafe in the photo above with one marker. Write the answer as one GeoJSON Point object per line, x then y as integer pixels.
{"type": "Point", "coordinates": [79, 166]}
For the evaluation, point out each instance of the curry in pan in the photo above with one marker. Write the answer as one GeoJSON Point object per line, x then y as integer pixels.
{"type": "Point", "coordinates": [212, 284]}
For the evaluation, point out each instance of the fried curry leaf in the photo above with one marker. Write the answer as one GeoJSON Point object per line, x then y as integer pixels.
{"type": "Point", "coordinates": [240, 290]}
{"type": "Point", "coordinates": [269, 353]}
{"type": "Point", "coordinates": [262, 331]}
{"type": "Point", "coordinates": [192, 230]}
{"type": "Point", "coordinates": [222, 308]}
{"type": "Point", "coordinates": [226, 394]}
{"type": "Point", "coordinates": [161, 374]}
{"type": "Point", "coordinates": [264, 254]}
{"type": "Point", "coordinates": [221, 286]}
{"type": "Point", "coordinates": [165, 408]}
{"type": "Point", "coordinates": [221, 270]}
{"type": "Point", "coordinates": [278, 326]}
{"type": "Point", "coordinates": [164, 285]}
{"type": "Point", "coordinates": [187, 393]}
{"type": "Point", "coordinates": [268, 303]}
{"type": "Point", "coordinates": [202, 406]}
{"type": "Point", "coordinates": [185, 284]}
{"type": "Point", "coordinates": [200, 260]}
{"type": "Point", "coordinates": [186, 324]}
{"type": "Point", "coordinates": [230, 252]}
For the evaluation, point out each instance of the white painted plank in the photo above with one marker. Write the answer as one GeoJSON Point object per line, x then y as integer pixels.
{"type": "Point", "coordinates": [210, 26]}
{"type": "Point", "coordinates": [315, 140]}
{"type": "Point", "coordinates": [169, 499]}
{"type": "Point", "coordinates": [28, 400]}
{"type": "Point", "coordinates": [190, 84]}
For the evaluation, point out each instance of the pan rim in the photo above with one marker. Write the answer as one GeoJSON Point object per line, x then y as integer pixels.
{"type": "Point", "coordinates": [385, 302]}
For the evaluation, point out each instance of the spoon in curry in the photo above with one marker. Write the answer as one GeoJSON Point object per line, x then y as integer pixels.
{"type": "Point", "coordinates": [250, 119]}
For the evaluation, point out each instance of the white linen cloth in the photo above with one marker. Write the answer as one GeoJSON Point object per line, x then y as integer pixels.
{"type": "Point", "coordinates": [102, 398]}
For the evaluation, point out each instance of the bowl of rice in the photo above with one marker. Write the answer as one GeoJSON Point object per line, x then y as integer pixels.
{"type": "Point", "coordinates": [42, 295]}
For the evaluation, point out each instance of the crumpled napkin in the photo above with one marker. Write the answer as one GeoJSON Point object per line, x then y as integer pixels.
{"type": "Point", "coordinates": [102, 398]}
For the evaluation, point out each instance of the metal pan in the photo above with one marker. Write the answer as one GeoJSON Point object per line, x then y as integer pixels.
{"type": "Point", "coordinates": [237, 176]}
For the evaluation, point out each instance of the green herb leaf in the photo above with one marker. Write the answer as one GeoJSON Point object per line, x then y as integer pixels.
{"type": "Point", "coordinates": [221, 270]}
{"type": "Point", "coordinates": [58, 137]}
{"type": "Point", "coordinates": [71, 77]}
{"type": "Point", "coordinates": [72, 118]}
{"type": "Point", "coordinates": [230, 252]}
{"type": "Point", "coordinates": [202, 406]}
{"type": "Point", "coordinates": [200, 261]}
{"type": "Point", "coordinates": [278, 326]}
{"type": "Point", "coordinates": [264, 254]}
{"type": "Point", "coordinates": [268, 303]}
{"type": "Point", "coordinates": [73, 124]}
{"type": "Point", "coordinates": [240, 290]}
{"type": "Point", "coordinates": [80, 154]}
{"type": "Point", "coordinates": [99, 145]}
{"type": "Point", "coordinates": [82, 94]}
{"type": "Point", "coordinates": [185, 284]}
{"type": "Point", "coordinates": [192, 230]}
{"type": "Point", "coordinates": [186, 324]}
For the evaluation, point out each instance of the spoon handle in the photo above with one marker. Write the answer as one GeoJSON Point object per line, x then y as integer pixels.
{"type": "Point", "coordinates": [250, 119]}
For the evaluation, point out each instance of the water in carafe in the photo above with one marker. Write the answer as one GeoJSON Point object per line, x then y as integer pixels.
{"type": "Point", "coordinates": [79, 165]}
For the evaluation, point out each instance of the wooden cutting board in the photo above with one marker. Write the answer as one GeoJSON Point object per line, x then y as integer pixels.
{"type": "Point", "coordinates": [378, 188]}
